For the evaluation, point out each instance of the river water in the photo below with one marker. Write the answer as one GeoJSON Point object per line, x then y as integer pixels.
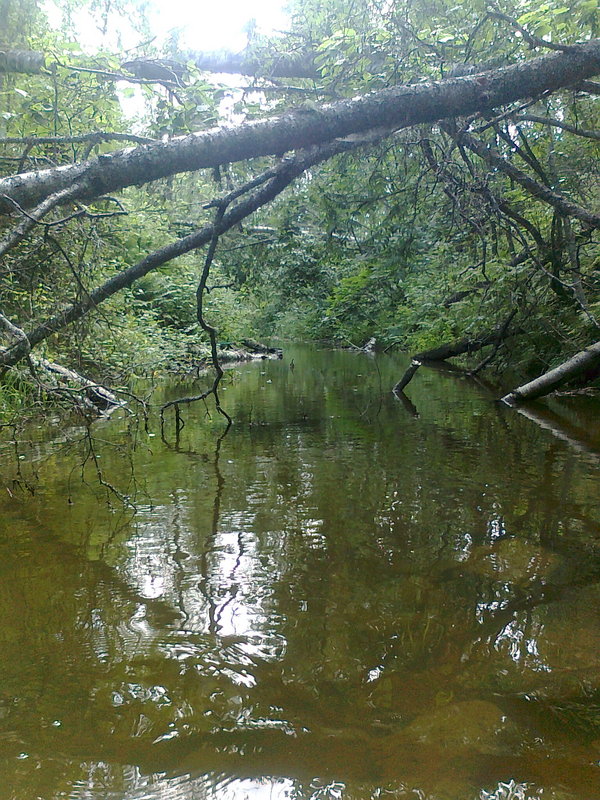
{"type": "Point", "coordinates": [347, 597]}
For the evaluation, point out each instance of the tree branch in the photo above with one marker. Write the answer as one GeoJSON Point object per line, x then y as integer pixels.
{"type": "Point", "coordinates": [270, 184]}
{"type": "Point", "coordinates": [532, 41]}
{"type": "Point", "coordinates": [555, 123]}
{"type": "Point", "coordinates": [34, 218]}
{"type": "Point", "coordinates": [394, 108]}
{"type": "Point", "coordinates": [558, 201]}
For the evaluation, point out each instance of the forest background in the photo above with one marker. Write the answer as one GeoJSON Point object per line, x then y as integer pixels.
{"type": "Point", "coordinates": [481, 225]}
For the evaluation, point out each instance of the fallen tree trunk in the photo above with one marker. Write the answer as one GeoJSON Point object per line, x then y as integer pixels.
{"type": "Point", "coordinates": [576, 366]}
{"type": "Point", "coordinates": [273, 181]}
{"type": "Point", "coordinates": [60, 380]}
{"type": "Point", "coordinates": [459, 347]}
{"type": "Point", "coordinates": [283, 65]}
{"type": "Point", "coordinates": [257, 347]}
{"type": "Point", "coordinates": [393, 109]}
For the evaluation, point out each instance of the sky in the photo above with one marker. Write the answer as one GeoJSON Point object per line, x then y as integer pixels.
{"type": "Point", "coordinates": [202, 24]}
{"type": "Point", "coordinates": [216, 24]}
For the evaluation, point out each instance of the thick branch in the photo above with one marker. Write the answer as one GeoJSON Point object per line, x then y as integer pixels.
{"type": "Point", "coordinates": [459, 347]}
{"type": "Point", "coordinates": [30, 220]}
{"type": "Point", "coordinates": [26, 61]}
{"type": "Point", "coordinates": [284, 65]}
{"type": "Point", "coordinates": [15, 333]}
{"type": "Point", "coordinates": [558, 201]}
{"type": "Point", "coordinates": [394, 108]}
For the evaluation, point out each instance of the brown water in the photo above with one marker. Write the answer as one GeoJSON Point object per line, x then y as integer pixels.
{"type": "Point", "coordinates": [340, 599]}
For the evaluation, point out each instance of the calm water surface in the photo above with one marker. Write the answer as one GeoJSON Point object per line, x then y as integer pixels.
{"type": "Point", "coordinates": [347, 597]}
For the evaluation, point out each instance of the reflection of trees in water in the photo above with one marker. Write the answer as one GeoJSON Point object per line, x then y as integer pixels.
{"type": "Point", "coordinates": [354, 626]}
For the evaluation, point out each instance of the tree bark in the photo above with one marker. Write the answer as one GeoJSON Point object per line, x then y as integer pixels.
{"type": "Point", "coordinates": [577, 365]}
{"type": "Point", "coordinates": [393, 109]}
{"type": "Point", "coordinates": [26, 61]}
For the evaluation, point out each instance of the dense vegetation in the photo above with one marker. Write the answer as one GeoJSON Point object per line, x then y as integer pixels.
{"type": "Point", "coordinates": [437, 231]}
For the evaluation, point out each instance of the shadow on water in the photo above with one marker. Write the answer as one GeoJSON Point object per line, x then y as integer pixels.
{"type": "Point", "coordinates": [343, 598]}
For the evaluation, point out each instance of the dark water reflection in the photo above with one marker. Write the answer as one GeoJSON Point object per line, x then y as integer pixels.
{"type": "Point", "coordinates": [347, 597]}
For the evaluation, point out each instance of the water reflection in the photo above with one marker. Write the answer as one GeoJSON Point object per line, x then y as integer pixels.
{"type": "Point", "coordinates": [338, 600]}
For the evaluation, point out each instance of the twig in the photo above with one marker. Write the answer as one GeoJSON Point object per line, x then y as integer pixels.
{"type": "Point", "coordinates": [33, 218]}
{"type": "Point", "coordinates": [555, 123]}
{"type": "Point", "coordinates": [530, 38]}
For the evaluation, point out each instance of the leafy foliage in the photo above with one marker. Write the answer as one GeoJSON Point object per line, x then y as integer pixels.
{"type": "Point", "coordinates": [416, 240]}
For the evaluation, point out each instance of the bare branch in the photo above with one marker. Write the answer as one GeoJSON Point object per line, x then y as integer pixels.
{"type": "Point", "coordinates": [33, 218]}
{"type": "Point", "coordinates": [532, 41]}
{"type": "Point", "coordinates": [555, 123]}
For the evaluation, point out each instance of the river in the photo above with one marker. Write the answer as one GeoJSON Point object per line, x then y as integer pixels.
{"type": "Point", "coordinates": [347, 597]}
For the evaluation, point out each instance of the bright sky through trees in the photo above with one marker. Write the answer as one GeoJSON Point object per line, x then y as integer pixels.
{"type": "Point", "coordinates": [197, 24]}
{"type": "Point", "coordinates": [207, 25]}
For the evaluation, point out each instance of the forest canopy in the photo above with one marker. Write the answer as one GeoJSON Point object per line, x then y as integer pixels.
{"type": "Point", "coordinates": [419, 173]}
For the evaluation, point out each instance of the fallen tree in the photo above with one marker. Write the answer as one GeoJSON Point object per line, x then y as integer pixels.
{"type": "Point", "coordinates": [459, 347]}
{"type": "Point", "coordinates": [575, 367]}
{"type": "Point", "coordinates": [315, 134]}
{"type": "Point", "coordinates": [260, 191]}
{"type": "Point", "coordinates": [392, 109]}
{"type": "Point", "coordinates": [26, 61]}
{"type": "Point", "coordinates": [256, 62]}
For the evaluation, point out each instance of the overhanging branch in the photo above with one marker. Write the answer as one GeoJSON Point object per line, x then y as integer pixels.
{"type": "Point", "coordinates": [265, 188]}
{"type": "Point", "coordinates": [394, 108]}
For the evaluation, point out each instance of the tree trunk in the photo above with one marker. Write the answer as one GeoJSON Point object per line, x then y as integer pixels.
{"type": "Point", "coordinates": [578, 365]}
{"type": "Point", "coordinates": [390, 109]}
{"type": "Point", "coordinates": [26, 61]}
{"type": "Point", "coordinates": [459, 347]}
